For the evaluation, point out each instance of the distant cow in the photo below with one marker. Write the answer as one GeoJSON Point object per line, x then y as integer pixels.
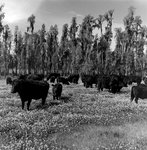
{"type": "Point", "coordinates": [62, 80]}
{"type": "Point", "coordinates": [73, 78]}
{"type": "Point", "coordinates": [113, 83]}
{"type": "Point", "coordinates": [103, 82]}
{"type": "Point", "coordinates": [139, 91]}
{"type": "Point", "coordinates": [30, 89]}
{"type": "Point", "coordinates": [53, 74]}
{"type": "Point", "coordinates": [136, 79]}
{"type": "Point", "coordinates": [57, 90]}
{"type": "Point", "coordinates": [35, 77]}
{"type": "Point", "coordinates": [88, 80]}
{"type": "Point", "coordinates": [116, 83]}
{"type": "Point", "coordinates": [8, 80]}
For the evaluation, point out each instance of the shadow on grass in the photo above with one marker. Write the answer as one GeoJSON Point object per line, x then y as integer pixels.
{"type": "Point", "coordinates": [65, 99]}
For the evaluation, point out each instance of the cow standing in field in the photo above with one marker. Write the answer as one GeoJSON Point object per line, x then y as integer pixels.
{"type": "Point", "coordinates": [139, 91]}
{"type": "Point", "coordinates": [103, 82]}
{"type": "Point", "coordinates": [73, 78]}
{"type": "Point", "coordinates": [113, 83]}
{"type": "Point", "coordinates": [53, 74]}
{"type": "Point", "coordinates": [62, 80]}
{"type": "Point", "coordinates": [136, 79]}
{"type": "Point", "coordinates": [88, 80]}
{"type": "Point", "coordinates": [57, 90]}
{"type": "Point", "coordinates": [30, 89]}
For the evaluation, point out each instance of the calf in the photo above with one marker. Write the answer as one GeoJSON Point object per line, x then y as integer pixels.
{"type": "Point", "coordinates": [139, 91]}
{"type": "Point", "coordinates": [57, 90]}
{"type": "Point", "coordinates": [30, 89]}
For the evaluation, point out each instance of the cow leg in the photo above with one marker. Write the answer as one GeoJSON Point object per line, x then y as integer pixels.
{"type": "Point", "coordinates": [43, 101]}
{"type": "Point", "coordinates": [28, 104]}
{"type": "Point", "coordinates": [136, 100]}
{"type": "Point", "coordinates": [53, 97]}
{"type": "Point", "coordinates": [23, 103]}
{"type": "Point", "coordinates": [59, 96]}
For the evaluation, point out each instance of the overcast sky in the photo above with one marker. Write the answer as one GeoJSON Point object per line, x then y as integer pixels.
{"type": "Point", "coordinates": [51, 12]}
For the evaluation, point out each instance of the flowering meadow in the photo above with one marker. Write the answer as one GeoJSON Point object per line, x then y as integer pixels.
{"type": "Point", "coordinates": [82, 120]}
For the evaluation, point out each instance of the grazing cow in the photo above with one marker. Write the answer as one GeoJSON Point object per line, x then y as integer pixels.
{"type": "Point", "coordinates": [73, 78]}
{"type": "Point", "coordinates": [139, 91]}
{"type": "Point", "coordinates": [113, 83]}
{"type": "Point", "coordinates": [30, 89]}
{"type": "Point", "coordinates": [57, 90]}
{"type": "Point", "coordinates": [8, 80]}
{"type": "Point", "coordinates": [53, 74]}
{"type": "Point", "coordinates": [62, 80]}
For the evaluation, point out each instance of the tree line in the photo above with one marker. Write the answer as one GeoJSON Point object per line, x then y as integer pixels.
{"type": "Point", "coordinates": [79, 50]}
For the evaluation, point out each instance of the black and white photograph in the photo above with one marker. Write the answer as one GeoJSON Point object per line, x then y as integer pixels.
{"type": "Point", "coordinates": [73, 75]}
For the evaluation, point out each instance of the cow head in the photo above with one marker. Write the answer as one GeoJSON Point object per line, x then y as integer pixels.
{"type": "Point", "coordinates": [16, 86]}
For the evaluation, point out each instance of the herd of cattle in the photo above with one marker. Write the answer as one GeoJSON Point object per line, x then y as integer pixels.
{"type": "Point", "coordinates": [36, 86]}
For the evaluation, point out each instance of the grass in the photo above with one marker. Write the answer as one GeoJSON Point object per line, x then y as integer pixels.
{"type": "Point", "coordinates": [82, 119]}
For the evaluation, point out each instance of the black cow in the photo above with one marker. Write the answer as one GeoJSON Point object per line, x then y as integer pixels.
{"type": "Point", "coordinates": [116, 83]}
{"type": "Point", "coordinates": [30, 89]}
{"type": "Point", "coordinates": [57, 90]}
{"type": "Point", "coordinates": [103, 82]}
{"type": "Point", "coordinates": [9, 80]}
{"type": "Point", "coordinates": [113, 83]}
{"type": "Point", "coordinates": [88, 80]}
{"type": "Point", "coordinates": [125, 80]}
{"type": "Point", "coordinates": [73, 78]}
{"type": "Point", "coordinates": [62, 80]}
{"type": "Point", "coordinates": [53, 74]}
{"type": "Point", "coordinates": [136, 79]}
{"type": "Point", "coordinates": [139, 91]}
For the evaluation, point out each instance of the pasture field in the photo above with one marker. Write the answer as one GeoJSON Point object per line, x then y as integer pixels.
{"type": "Point", "coordinates": [82, 120]}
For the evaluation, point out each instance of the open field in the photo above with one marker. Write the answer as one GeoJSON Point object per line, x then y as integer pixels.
{"type": "Point", "coordinates": [82, 120]}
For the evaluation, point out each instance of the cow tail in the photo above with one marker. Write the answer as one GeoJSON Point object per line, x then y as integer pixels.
{"type": "Point", "coordinates": [132, 94]}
